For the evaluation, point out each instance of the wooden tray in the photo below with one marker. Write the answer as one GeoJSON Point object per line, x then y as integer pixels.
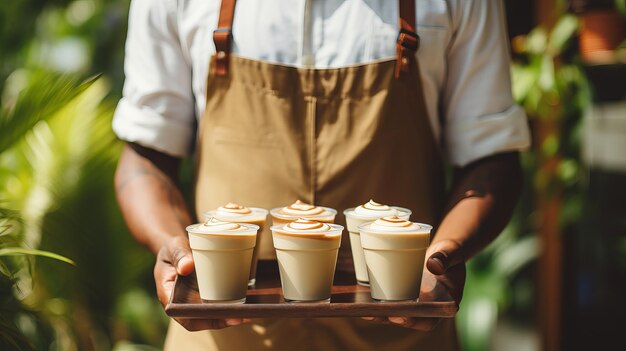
{"type": "Point", "coordinates": [265, 300]}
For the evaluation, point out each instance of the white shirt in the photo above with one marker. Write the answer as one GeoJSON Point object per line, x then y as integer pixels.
{"type": "Point", "coordinates": [464, 61]}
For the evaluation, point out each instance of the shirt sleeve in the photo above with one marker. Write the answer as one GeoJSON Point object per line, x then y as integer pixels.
{"type": "Point", "coordinates": [480, 117]}
{"type": "Point", "coordinates": [157, 105]}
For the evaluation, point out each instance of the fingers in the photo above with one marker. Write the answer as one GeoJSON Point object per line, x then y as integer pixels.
{"type": "Point", "coordinates": [164, 277]}
{"type": "Point", "coordinates": [204, 324]}
{"type": "Point", "coordinates": [179, 255]}
{"type": "Point", "coordinates": [444, 255]}
{"type": "Point", "coordinates": [422, 324]}
{"type": "Point", "coordinates": [380, 320]}
{"type": "Point", "coordinates": [173, 258]}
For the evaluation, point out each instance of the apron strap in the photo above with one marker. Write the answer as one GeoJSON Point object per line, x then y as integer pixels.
{"type": "Point", "coordinates": [223, 37]}
{"type": "Point", "coordinates": [408, 41]}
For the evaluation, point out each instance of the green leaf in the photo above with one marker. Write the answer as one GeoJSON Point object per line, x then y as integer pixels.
{"type": "Point", "coordinates": [45, 95]}
{"type": "Point", "coordinates": [562, 33]}
{"type": "Point", "coordinates": [10, 251]}
{"type": "Point", "coordinates": [11, 338]}
{"type": "Point", "coordinates": [524, 79]}
{"type": "Point", "coordinates": [516, 256]}
{"type": "Point", "coordinates": [536, 41]}
{"type": "Point", "coordinates": [550, 145]}
{"type": "Point", "coordinates": [621, 6]}
{"type": "Point", "coordinates": [546, 75]}
{"type": "Point", "coordinates": [567, 170]}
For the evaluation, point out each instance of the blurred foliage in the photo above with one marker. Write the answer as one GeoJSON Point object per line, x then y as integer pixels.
{"type": "Point", "coordinates": [549, 83]}
{"type": "Point", "coordinates": [56, 177]}
{"type": "Point", "coordinates": [45, 94]}
{"type": "Point", "coordinates": [31, 107]}
{"type": "Point", "coordinates": [59, 178]}
{"type": "Point", "coordinates": [67, 35]}
{"type": "Point", "coordinates": [621, 6]}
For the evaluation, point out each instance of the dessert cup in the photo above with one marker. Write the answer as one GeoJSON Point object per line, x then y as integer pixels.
{"type": "Point", "coordinates": [356, 216]}
{"type": "Point", "coordinates": [394, 251]}
{"type": "Point", "coordinates": [222, 254]}
{"type": "Point", "coordinates": [234, 213]}
{"type": "Point", "coordinates": [307, 255]}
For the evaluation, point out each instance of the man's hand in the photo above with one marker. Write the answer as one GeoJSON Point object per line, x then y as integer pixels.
{"type": "Point", "coordinates": [147, 190]}
{"type": "Point", "coordinates": [480, 204]}
{"type": "Point", "coordinates": [175, 258]}
{"type": "Point", "coordinates": [444, 264]}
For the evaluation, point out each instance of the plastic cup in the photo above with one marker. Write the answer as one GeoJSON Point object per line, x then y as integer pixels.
{"type": "Point", "coordinates": [395, 261]}
{"type": "Point", "coordinates": [353, 221]}
{"type": "Point", "coordinates": [222, 260]}
{"type": "Point", "coordinates": [257, 217]}
{"type": "Point", "coordinates": [307, 262]}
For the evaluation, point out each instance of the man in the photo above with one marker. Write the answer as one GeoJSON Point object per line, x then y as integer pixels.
{"type": "Point", "coordinates": [331, 102]}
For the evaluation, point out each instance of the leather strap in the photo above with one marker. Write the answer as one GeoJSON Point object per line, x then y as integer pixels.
{"type": "Point", "coordinates": [223, 37]}
{"type": "Point", "coordinates": [406, 44]}
{"type": "Point", "coordinates": [408, 41]}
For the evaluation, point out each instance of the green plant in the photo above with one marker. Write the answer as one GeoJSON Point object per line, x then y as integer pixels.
{"type": "Point", "coordinates": [12, 309]}
{"type": "Point", "coordinates": [45, 94]}
{"type": "Point", "coordinates": [31, 106]}
{"type": "Point", "coordinates": [58, 179]}
{"type": "Point", "coordinates": [551, 86]}
{"type": "Point", "coordinates": [549, 83]}
{"type": "Point", "coordinates": [621, 6]}
{"type": "Point", "coordinates": [489, 279]}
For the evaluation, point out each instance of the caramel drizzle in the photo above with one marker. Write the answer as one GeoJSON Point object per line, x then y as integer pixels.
{"type": "Point", "coordinates": [235, 208]}
{"type": "Point", "coordinates": [212, 222]}
{"type": "Point", "coordinates": [395, 221]}
{"type": "Point", "coordinates": [307, 224]}
{"type": "Point", "coordinates": [375, 206]}
{"type": "Point", "coordinates": [300, 206]}
{"type": "Point", "coordinates": [308, 230]}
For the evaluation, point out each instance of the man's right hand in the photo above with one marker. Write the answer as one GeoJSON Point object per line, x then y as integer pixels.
{"type": "Point", "coordinates": [174, 258]}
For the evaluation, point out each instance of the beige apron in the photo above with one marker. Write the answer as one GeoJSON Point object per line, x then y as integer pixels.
{"type": "Point", "coordinates": [272, 134]}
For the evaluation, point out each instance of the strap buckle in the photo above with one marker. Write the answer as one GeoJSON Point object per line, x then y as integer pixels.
{"type": "Point", "coordinates": [223, 42]}
{"type": "Point", "coordinates": [408, 39]}
{"type": "Point", "coordinates": [229, 31]}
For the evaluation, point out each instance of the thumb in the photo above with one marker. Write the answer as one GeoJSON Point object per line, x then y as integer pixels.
{"type": "Point", "coordinates": [445, 254]}
{"type": "Point", "coordinates": [180, 256]}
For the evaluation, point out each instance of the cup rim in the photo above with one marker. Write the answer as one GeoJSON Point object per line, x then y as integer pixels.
{"type": "Point", "coordinates": [335, 228]}
{"type": "Point", "coordinates": [252, 229]}
{"type": "Point", "coordinates": [351, 209]}
{"type": "Point", "coordinates": [423, 229]}
{"type": "Point", "coordinates": [259, 212]}
{"type": "Point", "coordinates": [328, 211]}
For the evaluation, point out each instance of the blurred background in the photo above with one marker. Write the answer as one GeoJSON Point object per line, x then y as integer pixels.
{"type": "Point", "coordinates": [554, 280]}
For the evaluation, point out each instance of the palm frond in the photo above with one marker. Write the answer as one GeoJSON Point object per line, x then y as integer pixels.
{"type": "Point", "coordinates": [12, 338]}
{"type": "Point", "coordinates": [44, 96]}
{"type": "Point", "coordinates": [12, 251]}
{"type": "Point", "coordinates": [10, 227]}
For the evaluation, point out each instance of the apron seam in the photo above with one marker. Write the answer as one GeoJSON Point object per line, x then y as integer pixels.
{"type": "Point", "coordinates": [311, 102]}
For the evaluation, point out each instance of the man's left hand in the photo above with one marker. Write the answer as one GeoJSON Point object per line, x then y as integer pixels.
{"type": "Point", "coordinates": [444, 264]}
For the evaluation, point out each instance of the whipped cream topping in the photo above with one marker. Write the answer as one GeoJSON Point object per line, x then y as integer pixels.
{"type": "Point", "coordinates": [213, 225]}
{"type": "Point", "coordinates": [302, 209]}
{"type": "Point", "coordinates": [374, 209]}
{"type": "Point", "coordinates": [304, 226]}
{"type": "Point", "coordinates": [394, 224]}
{"type": "Point", "coordinates": [232, 210]}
